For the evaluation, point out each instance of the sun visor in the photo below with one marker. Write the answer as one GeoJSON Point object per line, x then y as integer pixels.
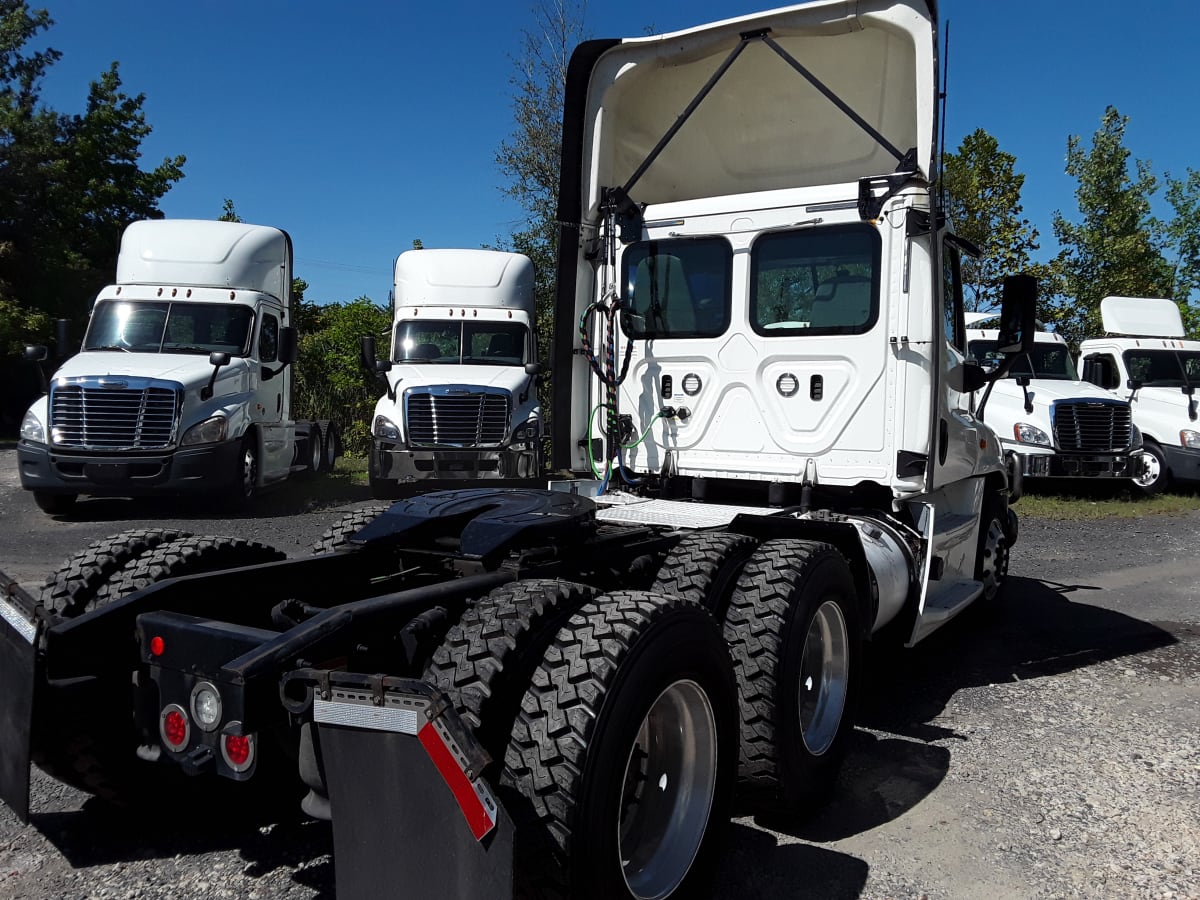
{"type": "Point", "coordinates": [822, 93]}
{"type": "Point", "coordinates": [1141, 317]}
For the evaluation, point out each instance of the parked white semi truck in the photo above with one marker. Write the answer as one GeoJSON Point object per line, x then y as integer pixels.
{"type": "Point", "coordinates": [1052, 424]}
{"type": "Point", "coordinates": [461, 401]}
{"type": "Point", "coordinates": [1144, 358]}
{"type": "Point", "coordinates": [183, 382]}
{"type": "Point", "coordinates": [763, 398]}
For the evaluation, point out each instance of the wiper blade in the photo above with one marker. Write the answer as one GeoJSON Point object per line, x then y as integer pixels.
{"type": "Point", "coordinates": [110, 347]}
{"type": "Point", "coordinates": [185, 349]}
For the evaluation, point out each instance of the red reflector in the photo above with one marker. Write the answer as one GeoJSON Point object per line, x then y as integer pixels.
{"type": "Point", "coordinates": [175, 728]}
{"type": "Point", "coordinates": [157, 646]}
{"type": "Point", "coordinates": [237, 749]}
{"type": "Point", "coordinates": [479, 818]}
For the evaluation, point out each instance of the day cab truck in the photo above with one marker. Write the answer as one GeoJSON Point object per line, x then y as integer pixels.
{"type": "Point", "coordinates": [1051, 424]}
{"type": "Point", "coordinates": [762, 399]}
{"type": "Point", "coordinates": [461, 401]}
{"type": "Point", "coordinates": [183, 382]}
{"type": "Point", "coordinates": [1145, 359]}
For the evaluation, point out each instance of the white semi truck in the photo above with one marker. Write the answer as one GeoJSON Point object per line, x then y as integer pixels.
{"type": "Point", "coordinates": [183, 382]}
{"type": "Point", "coordinates": [762, 396]}
{"type": "Point", "coordinates": [1144, 358]}
{"type": "Point", "coordinates": [1051, 424]}
{"type": "Point", "coordinates": [461, 400]}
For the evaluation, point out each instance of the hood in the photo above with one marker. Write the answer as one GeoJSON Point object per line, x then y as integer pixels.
{"type": "Point", "coordinates": [1048, 390]}
{"type": "Point", "coordinates": [826, 92]}
{"type": "Point", "coordinates": [187, 369]}
{"type": "Point", "coordinates": [405, 376]}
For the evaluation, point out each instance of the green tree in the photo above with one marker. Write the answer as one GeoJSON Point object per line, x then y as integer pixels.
{"type": "Point", "coordinates": [530, 156]}
{"type": "Point", "coordinates": [330, 383]}
{"type": "Point", "coordinates": [1114, 248]}
{"type": "Point", "coordinates": [229, 212]}
{"type": "Point", "coordinates": [983, 199]}
{"type": "Point", "coordinates": [69, 184]}
{"type": "Point", "coordinates": [1182, 244]}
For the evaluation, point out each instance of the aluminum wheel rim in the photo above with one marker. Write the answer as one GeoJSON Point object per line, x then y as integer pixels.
{"type": "Point", "coordinates": [315, 455]}
{"type": "Point", "coordinates": [667, 791]}
{"type": "Point", "coordinates": [1150, 471]}
{"type": "Point", "coordinates": [992, 565]}
{"type": "Point", "coordinates": [824, 678]}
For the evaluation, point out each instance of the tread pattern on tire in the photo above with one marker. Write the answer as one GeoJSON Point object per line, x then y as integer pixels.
{"type": "Point", "coordinates": [74, 587]}
{"type": "Point", "coordinates": [695, 563]}
{"type": "Point", "coordinates": [190, 556]}
{"type": "Point", "coordinates": [485, 663]}
{"type": "Point", "coordinates": [754, 626]}
{"type": "Point", "coordinates": [339, 533]}
{"type": "Point", "coordinates": [556, 725]}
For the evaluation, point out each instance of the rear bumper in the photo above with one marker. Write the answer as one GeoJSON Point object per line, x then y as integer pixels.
{"type": "Point", "coordinates": [1080, 465]}
{"type": "Point", "coordinates": [390, 462]}
{"type": "Point", "coordinates": [1183, 462]}
{"type": "Point", "coordinates": [202, 468]}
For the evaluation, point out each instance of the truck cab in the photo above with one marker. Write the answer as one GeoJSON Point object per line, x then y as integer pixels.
{"type": "Point", "coordinates": [461, 401]}
{"type": "Point", "coordinates": [1052, 424]}
{"type": "Point", "coordinates": [183, 380]}
{"type": "Point", "coordinates": [1145, 359]}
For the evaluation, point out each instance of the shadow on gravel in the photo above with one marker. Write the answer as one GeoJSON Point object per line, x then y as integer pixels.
{"type": "Point", "coordinates": [129, 836]}
{"type": "Point", "coordinates": [755, 865]}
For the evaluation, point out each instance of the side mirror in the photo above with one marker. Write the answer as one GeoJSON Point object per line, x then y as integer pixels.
{"type": "Point", "coordinates": [36, 353]}
{"type": "Point", "coordinates": [973, 377]}
{"type": "Point", "coordinates": [534, 368]}
{"type": "Point", "coordinates": [1134, 384]}
{"type": "Point", "coordinates": [1189, 389]}
{"type": "Point", "coordinates": [216, 359]}
{"type": "Point", "coordinates": [62, 338]}
{"type": "Point", "coordinates": [288, 345]}
{"type": "Point", "coordinates": [1018, 311]}
{"type": "Point", "coordinates": [366, 353]}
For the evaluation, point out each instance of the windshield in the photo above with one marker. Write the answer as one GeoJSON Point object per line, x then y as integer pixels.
{"type": "Point", "coordinates": [454, 342]}
{"type": "Point", "coordinates": [1043, 361]}
{"type": "Point", "coordinates": [1163, 368]}
{"type": "Point", "coordinates": [157, 327]}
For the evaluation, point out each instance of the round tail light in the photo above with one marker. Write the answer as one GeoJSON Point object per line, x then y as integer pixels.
{"type": "Point", "coordinates": [238, 750]}
{"type": "Point", "coordinates": [174, 728]}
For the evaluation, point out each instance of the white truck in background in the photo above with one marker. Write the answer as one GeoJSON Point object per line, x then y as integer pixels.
{"type": "Point", "coordinates": [461, 401]}
{"type": "Point", "coordinates": [183, 382]}
{"type": "Point", "coordinates": [1051, 424]}
{"type": "Point", "coordinates": [1144, 358]}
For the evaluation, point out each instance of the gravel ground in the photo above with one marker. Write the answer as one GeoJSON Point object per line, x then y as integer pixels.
{"type": "Point", "coordinates": [1049, 748]}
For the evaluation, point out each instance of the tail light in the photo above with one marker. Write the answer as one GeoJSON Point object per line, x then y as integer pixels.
{"type": "Point", "coordinates": [174, 727]}
{"type": "Point", "coordinates": [237, 749]}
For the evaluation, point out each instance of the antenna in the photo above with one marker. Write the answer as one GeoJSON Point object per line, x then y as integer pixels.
{"type": "Point", "coordinates": [942, 139]}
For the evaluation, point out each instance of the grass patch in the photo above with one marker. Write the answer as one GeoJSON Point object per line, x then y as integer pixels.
{"type": "Point", "coordinates": [352, 469]}
{"type": "Point", "coordinates": [1096, 504]}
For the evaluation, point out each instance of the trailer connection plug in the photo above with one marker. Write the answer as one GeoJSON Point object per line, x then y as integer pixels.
{"type": "Point", "coordinates": [681, 413]}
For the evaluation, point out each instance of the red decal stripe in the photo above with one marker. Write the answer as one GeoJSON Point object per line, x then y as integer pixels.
{"type": "Point", "coordinates": [478, 818]}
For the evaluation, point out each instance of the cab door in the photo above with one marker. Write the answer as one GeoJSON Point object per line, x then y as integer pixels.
{"type": "Point", "coordinates": [955, 448]}
{"type": "Point", "coordinates": [267, 410]}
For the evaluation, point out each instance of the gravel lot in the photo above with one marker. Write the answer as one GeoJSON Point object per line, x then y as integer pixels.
{"type": "Point", "coordinates": [1048, 749]}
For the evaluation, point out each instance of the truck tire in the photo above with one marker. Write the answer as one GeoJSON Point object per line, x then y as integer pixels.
{"type": "Point", "coordinates": [338, 534]}
{"type": "Point", "coordinates": [316, 452]}
{"type": "Point", "coordinates": [487, 659]}
{"type": "Point", "coordinates": [704, 567]}
{"type": "Point", "coordinates": [1156, 475]}
{"type": "Point", "coordinates": [793, 629]}
{"type": "Point", "coordinates": [190, 556]}
{"type": "Point", "coordinates": [245, 484]}
{"type": "Point", "coordinates": [72, 589]}
{"type": "Point", "coordinates": [331, 447]}
{"type": "Point", "coordinates": [992, 550]}
{"type": "Point", "coordinates": [636, 690]}
{"type": "Point", "coordinates": [54, 504]}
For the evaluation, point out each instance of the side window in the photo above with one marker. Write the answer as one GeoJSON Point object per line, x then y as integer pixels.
{"type": "Point", "coordinates": [268, 339]}
{"type": "Point", "coordinates": [1102, 369]}
{"type": "Point", "coordinates": [952, 303]}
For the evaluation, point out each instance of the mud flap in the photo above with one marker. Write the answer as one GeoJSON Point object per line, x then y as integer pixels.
{"type": "Point", "coordinates": [412, 816]}
{"type": "Point", "coordinates": [18, 673]}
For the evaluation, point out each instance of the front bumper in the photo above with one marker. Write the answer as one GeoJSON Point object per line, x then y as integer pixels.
{"type": "Point", "coordinates": [390, 462]}
{"type": "Point", "coordinates": [202, 468]}
{"type": "Point", "coordinates": [1183, 462]}
{"type": "Point", "coordinates": [1080, 465]}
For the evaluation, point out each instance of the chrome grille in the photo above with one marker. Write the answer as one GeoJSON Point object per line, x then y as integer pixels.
{"type": "Point", "coordinates": [1092, 426]}
{"type": "Point", "coordinates": [112, 418]}
{"type": "Point", "coordinates": [468, 419]}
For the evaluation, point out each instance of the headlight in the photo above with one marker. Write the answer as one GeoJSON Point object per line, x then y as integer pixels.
{"type": "Point", "coordinates": [210, 431]}
{"type": "Point", "coordinates": [385, 428]}
{"type": "Point", "coordinates": [528, 431]}
{"type": "Point", "coordinates": [32, 430]}
{"type": "Point", "coordinates": [1189, 439]}
{"type": "Point", "coordinates": [1028, 434]}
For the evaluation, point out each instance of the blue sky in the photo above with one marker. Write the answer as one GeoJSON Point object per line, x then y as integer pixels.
{"type": "Point", "coordinates": [360, 126]}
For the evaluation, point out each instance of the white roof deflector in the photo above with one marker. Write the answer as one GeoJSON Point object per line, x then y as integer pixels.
{"type": "Point", "coordinates": [828, 92]}
{"type": "Point", "coordinates": [1141, 317]}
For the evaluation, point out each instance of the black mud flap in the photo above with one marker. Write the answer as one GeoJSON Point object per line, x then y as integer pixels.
{"type": "Point", "coordinates": [18, 672]}
{"type": "Point", "coordinates": [412, 816]}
